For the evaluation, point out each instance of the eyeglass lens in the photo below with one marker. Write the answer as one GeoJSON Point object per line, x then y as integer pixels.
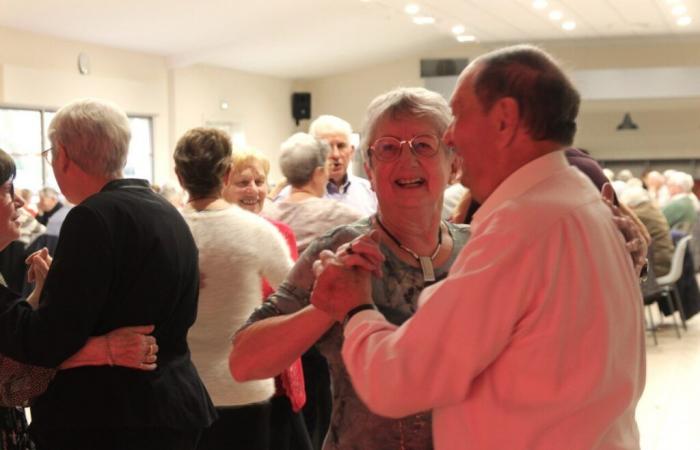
{"type": "Point", "coordinates": [388, 148]}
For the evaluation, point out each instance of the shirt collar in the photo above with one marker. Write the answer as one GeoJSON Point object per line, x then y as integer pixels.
{"type": "Point", "coordinates": [125, 183]}
{"type": "Point", "coordinates": [521, 181]}
{"type": "Point", "coordinates": [333, 188]}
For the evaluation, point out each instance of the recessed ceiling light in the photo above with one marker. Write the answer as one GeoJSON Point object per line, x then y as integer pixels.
{"type": "Point", "coordinates": [569, 25]}
{"type": "Point", "coordinates": [411, 9]}
{"type": "Point", "coordinates": [424, 20]}
{"type": "Point", "coordinates": [539, 4]}
{"type": "Point", "coordinates": [224, 104]}
{"type": "Point", "coordinates": [679, 10]}
{"type": "Point", "coordinates": [458, 29]}
{"type": "Point", "coordinates": [556, 15]}
{"type": "Point", "coordinates": [466, 38]}
{"type": "Point", "coordinates": [684, 21]}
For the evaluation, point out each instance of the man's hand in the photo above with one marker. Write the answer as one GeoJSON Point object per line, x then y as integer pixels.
{"type": "Point", "coordinates": [362, 252]}
{"type": "Point", "coordinates": [339, 289]}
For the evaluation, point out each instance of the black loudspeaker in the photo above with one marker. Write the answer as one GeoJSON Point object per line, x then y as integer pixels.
{"type": "Point", "coordinates": [301, 106]}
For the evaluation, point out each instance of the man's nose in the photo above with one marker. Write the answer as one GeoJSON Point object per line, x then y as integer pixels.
{"type": "Point", "coordinates": [335, 151]}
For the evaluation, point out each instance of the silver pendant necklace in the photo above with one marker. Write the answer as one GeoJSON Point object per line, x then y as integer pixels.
{"type": "Point", "coordinates": [426, 262]}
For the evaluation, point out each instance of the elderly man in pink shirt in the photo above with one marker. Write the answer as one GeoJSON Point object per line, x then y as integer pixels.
{"type": "Point", "coordinates": [535, 340]}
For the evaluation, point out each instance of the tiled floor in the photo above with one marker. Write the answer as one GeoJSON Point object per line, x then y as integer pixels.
{"type": "Point", "coordinates": [669, 411]}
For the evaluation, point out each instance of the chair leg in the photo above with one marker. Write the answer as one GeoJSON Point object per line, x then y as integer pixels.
{"type": "Point", "coordinates": [679, 305]}
{"type": "Point", "coordinates": [652, 327]}
{"type": "Point", "coordinates": [667, 296]}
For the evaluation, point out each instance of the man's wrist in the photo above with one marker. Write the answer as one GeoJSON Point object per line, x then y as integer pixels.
{"type": "Point", "coordinates": [358, 309]}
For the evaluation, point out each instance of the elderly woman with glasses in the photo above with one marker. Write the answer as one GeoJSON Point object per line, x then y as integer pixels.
{"type": "Point", "coordinates": [409, 169]}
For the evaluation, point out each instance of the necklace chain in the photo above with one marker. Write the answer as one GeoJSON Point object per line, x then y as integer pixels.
{"type": "Point", "coordinates": [408, 250]}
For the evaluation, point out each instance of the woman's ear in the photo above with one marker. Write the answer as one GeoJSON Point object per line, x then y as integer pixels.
{"type": "Point", "coordinates": [370, 175]}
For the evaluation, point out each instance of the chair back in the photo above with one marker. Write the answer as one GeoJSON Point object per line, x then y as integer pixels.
{"type": "Point", "coordinates": [676, 263]}
{"type": "Point", "coordinates": [650, 287]}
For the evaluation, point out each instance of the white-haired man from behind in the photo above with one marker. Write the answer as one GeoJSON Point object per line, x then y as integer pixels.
{"type": "Point", "coordinates": [125, 256]}
{"type": "Point", "coordinates": [343, 186]}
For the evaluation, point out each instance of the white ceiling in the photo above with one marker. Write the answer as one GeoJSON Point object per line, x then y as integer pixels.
{"type": "Point", "coordinates": [311, 38]}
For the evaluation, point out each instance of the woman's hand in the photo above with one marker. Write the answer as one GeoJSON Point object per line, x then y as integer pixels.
{"type": "Point", "coordinates": [133, 347]}
{"type": "Point", "coordinates": [39, 264]}
{"type": "Point", "coordinates": [38, 259]}
{"type": "Point", "coordinates": [636, 240]}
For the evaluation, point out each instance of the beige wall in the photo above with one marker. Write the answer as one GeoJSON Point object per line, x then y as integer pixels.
{"type": "Point", "coordinates": [668, 127]}
{"type": "Point", "coordinates": [260, 104]}
{"type": "Point", "coordinates": [41, 72]}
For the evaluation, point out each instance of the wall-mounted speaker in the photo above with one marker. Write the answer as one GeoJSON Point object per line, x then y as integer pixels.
{"type": "Point", "coordinates": [301, 106]}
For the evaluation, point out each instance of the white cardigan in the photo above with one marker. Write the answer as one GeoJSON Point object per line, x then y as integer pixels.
{"type": "Point", "coordinates": [236, 249]}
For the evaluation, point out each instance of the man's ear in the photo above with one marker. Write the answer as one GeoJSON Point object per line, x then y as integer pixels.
{"type": "Point", "coordinates": [506, 113]}
{"type": "Point", "coordinates": [63, 160]}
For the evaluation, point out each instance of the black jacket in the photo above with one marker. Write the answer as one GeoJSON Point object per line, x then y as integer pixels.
{"type": "Point", "coordinates": [125, 257]}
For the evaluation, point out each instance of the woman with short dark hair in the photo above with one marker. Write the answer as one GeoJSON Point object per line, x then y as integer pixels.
{"type": "Point", "coordinates": [236, 249]}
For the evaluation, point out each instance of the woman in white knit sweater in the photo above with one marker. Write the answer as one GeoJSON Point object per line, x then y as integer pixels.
{"type": "Point", "coordinates": [236, 249]}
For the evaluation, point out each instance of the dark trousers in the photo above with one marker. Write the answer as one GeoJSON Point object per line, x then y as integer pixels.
{"type": "Point", "coordinates": [117, 439]}
{"type": "Point", "coordinates": [288, 429]}
{"type": "Point", "coordinates": [317, 381]}
{"type": "Point", "coordinates": [238, 427]}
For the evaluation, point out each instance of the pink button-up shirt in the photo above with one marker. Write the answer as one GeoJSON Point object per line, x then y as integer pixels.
{"type": "Point", "coordinates": [534, 341]}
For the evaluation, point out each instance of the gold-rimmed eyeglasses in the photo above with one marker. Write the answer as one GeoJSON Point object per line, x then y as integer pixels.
{"type": "Point", "coordinates": [388, 148]}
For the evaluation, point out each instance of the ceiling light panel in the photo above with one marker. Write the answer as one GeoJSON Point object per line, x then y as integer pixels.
{"type": "Point", "coordinates": [466, 38]}
{"type": "Point", "coordinates": [412, 9]}
{"type": "Point", "coordinates": [684, 21]}
{"type": "Point", "coordinates": [569, 25]}
{"type": "Point", "coordinates": [424, 20]}
{"type": "Point", "coordinates": [679, 10]}
{"type": "Point", "coordinates": [555, 15]}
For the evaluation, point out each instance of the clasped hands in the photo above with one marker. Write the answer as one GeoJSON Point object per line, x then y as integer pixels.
{"type": "Point", "coordinates": [343, 277]}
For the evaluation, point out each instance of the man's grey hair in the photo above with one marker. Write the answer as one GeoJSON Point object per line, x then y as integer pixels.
{"type": "Point", "coordinates": [48, 192]}
{"type": "Point", "coordinates": [95, 135]}
{"type": "Point", "coordinates": [400, 103]}
{"type": "Point", "coordinates": [327, 124]}
{"type": "Point", "coordinates": [684, 181]}
{"type": "Point", "coordinates": [300, 155]}
{"type": "Point", "coordinates": [634, 196]}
